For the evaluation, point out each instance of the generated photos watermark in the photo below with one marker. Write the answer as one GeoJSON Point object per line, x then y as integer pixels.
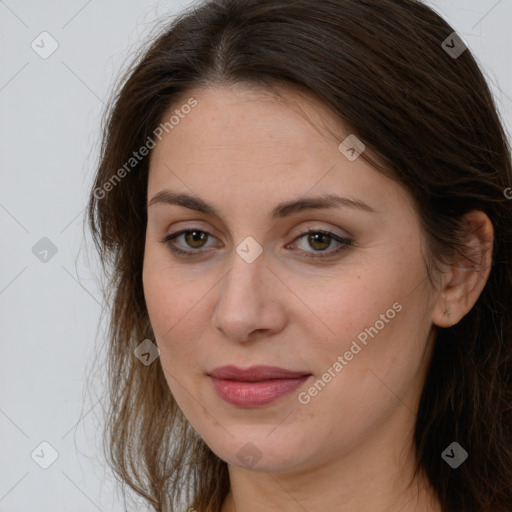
{"type": "Point", "coordinates": [137, 156]}
{"type": "Point", "coordinates": [342, 360]}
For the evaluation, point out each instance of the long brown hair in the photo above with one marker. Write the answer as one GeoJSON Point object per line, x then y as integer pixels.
{"type": "Point", "coordinates": [382, 67]}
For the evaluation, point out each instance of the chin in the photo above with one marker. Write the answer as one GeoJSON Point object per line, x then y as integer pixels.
{"type": "Point", "coordinates": [261, 453]}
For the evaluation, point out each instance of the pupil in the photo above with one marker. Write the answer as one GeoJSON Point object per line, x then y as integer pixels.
{"type": "Point", "coordinates": [314, 239]}
{"type": "Point", "coordinates": [194, 235]}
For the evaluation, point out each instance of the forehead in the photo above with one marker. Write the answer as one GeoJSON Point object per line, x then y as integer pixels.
{"type": "Point", "coordinates": [234, 120]}
{"type": "Point", "coordinates": [258, 146]}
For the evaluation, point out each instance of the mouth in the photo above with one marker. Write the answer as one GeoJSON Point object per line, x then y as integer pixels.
{"type": "Point", "coordinates": [256, 386]}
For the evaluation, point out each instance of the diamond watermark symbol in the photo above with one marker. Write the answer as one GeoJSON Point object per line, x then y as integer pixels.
{"type": "Point", "coordinates": [44, 455]}
{"type": "Point", "coordinates": [249, 455]}
{"type": "Point", "coordinates": [249, 249]}
{"type": "Point", "coordinates": [44, 250]}
{"type": "Point", "coordinates": [44, 45]}
{"type": "Point", "coordinates": [454, 45]}
{"type": "Point", "coordinates": [351, 147]}
{"type": "Point", "coordinates": [146, 352]}
{"type": "Point", "coordinates": [454, 455]}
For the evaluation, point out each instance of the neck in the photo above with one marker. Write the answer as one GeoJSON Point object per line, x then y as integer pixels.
{"type": "Point", "coordinates": [373, 477]}
{"type": "Point", "coordinates": [270, 491]}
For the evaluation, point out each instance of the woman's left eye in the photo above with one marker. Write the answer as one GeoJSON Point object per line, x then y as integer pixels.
{"type": "Point", "coordinates": [317, 239]}
{"type": "Point", "coordinates": [320, 240]}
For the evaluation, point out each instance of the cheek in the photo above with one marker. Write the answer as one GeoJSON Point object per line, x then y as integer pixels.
{"type": "Point", "coordinates": [377, 323]}
{"type": "Point", "coordinates": [175, 308]}
{"type": "Point", "coordinates": [346, 307]}
{"type": "Point", "coordinates": [166, 308]}
{"type": "Point", "coordinates": [370, 368]}
{"type": "Point", "coordinates": [368, 302]}
{"type": "Point", "coordinates": [164, 292]}
{"type": "Point", "coordinates": [159, 302]}
{"type": "Point", "coordinates": [165, 298]}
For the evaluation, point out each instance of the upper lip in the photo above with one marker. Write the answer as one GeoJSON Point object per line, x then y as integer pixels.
{"type": "Point", "coordinates": [255, 373]}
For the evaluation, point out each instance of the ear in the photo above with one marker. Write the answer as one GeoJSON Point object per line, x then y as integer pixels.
{"type": "Point", "coordinates": [465, 280]}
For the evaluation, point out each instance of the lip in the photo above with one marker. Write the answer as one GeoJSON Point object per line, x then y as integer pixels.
{"type": "Point", "coordinates": [255, 386]}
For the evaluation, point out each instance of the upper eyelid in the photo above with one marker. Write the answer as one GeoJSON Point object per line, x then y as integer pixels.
{"type": "Point", "coordinates": [302, 231]}
{"type": "Point", "coordinates": [304, 228]}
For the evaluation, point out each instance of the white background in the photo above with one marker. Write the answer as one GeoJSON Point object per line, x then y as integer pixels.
{"type": "Point", "coordinates": [50, 118]}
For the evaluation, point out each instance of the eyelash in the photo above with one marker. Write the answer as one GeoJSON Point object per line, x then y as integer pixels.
{"type": "Point", "coordinates": [345, 242]}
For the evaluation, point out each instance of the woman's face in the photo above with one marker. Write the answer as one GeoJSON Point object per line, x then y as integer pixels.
{"type": "Point", "coordinates": [350, 330]}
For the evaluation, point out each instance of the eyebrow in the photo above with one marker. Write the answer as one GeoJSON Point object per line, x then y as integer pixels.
{"type": "Point", "coordinates": [280, 211]}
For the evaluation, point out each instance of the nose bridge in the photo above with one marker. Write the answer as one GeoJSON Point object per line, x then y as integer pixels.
{"type": "Point", "coordinates": [248, 266]}
{"type": "Point", "coordinates": [245, 300]}
{"type": "Point", "coordinates": [243, 281]}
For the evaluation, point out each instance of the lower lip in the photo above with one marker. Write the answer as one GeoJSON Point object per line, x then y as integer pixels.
{"type": "Point", "coordinates": [255, 394]}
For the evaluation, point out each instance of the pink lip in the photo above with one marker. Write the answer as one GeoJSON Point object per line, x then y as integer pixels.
{"type": "Point", "coordinates": [255, 386]}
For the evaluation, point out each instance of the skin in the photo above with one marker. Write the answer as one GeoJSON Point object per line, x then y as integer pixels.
{"type": "Point", "coordinates": [245, 150]}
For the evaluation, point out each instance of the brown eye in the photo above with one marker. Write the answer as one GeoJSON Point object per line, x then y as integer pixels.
{"type": "Point", "coordinates": [319, 241]}
{"type": "Point", "coordinates": [195, 238]}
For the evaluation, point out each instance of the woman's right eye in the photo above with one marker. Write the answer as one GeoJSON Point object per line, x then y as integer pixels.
{"type": "Point", "coordinates": [191, 236]}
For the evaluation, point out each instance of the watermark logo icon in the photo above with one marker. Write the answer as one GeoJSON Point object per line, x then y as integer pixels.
{"type": "Point", "coordinates": [44, 45]}
{"type": "Point", "coordinates": [44, 250]}
{"type": "Point", "coordinates": [146, 352]}
{"type": "Point", "coordinates": [44, 455]}
{"type": "Point", "coordinates": [454, 455]}
{"type": "Point", "coordinates": [249, 249]}
{"type": "Point", "coordinates": [454, 45]}
{"type": "Point", "coordinates": [249, 455]}
{"type": "Point", "coordinates": [352, 147]}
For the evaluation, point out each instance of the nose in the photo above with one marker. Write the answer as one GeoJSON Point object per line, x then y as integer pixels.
{"type": "Point", "coordinates": [249, 301]}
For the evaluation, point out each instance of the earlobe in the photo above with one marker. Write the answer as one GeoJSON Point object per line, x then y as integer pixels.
{"type": "Point", "coordinates": [442, 316]}
{"type": "Point", "coordinates": [467, 278]}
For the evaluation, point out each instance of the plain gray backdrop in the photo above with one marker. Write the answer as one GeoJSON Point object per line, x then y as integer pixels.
{"type": "Point", "coordinates": [51, 105]}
